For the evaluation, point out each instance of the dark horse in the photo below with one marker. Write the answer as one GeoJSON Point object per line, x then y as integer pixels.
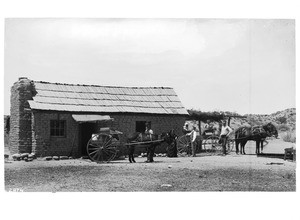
{"type": "Point", "coordinates": [136, 137]}
{"type": "Point", "coordinates": [255, 133]}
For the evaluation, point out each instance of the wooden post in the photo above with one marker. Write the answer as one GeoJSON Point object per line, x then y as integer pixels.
{"type": "Point", "coordinates": [199, 122]}
{"type": "Point", "coordinates": [200, 133]}
{"type": "Point", "coordinates": [229, 121]}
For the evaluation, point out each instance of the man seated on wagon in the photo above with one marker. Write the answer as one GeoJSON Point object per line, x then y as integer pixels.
{"type": "Point", "coordinates": [208, 128]}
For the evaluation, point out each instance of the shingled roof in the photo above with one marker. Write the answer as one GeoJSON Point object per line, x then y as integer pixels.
{"type": "Point", "coordinates": [106, 99]}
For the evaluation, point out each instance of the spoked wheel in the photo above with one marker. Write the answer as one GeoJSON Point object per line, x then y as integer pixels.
{"type": "Point", "coordinates": [101, 148]}
{"type": "Point", "coordinates": [183, 144]}
{"type": "Point", "coordinates": [211, 144]}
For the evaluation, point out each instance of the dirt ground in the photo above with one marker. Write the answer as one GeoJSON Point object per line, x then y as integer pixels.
{"type": "Point", "coordinates": [202, 173]}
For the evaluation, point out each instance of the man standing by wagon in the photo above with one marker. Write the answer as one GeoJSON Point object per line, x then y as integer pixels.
{"type": "Point", "coordinates": [193, 135]}
{"type": "Point", "coordinates": [151, 148]}
{"type": "Point", "coordinates": [225, 132]}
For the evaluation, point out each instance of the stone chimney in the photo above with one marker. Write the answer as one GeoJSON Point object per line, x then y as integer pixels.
{"type": "Point", "coordinates": [20, 138]}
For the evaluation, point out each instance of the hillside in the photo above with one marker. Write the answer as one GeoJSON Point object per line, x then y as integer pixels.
{"type": "Point", "coordinates": [284, 120]}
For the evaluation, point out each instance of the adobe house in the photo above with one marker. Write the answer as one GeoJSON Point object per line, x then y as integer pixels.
{"type": "Point", "coordinates": [58, 119]}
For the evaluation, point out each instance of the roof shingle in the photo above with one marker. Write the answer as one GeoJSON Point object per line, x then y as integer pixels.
{"type": "Point", "coordinates": [92, 98]}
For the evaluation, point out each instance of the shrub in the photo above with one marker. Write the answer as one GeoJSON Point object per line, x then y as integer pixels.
{"type": "Point", "coordinates": [282, 120]}
{"type": "Point", "coordinates": [283, 127]}
{"type": "Point", "coordinates": [289, 136]}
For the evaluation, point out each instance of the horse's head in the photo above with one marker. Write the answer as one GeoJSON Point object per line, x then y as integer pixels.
{"type": "Point", "coordinates": [271, 130]}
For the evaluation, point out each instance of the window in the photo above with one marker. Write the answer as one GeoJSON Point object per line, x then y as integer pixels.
{"type": "Point", "coordinates": [57, 128]}
{"type": "Point", "coordinates": [140, 126]}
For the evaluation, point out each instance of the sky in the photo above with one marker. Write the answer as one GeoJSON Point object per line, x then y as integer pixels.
{"type": "Point", "coordinates": [240, 65]}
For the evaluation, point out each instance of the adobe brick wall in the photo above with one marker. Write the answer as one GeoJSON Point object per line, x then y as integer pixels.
{"type": "Point", "coordinates": [45, 145]}
{"type": "Point", "coordinates": [20, 118]}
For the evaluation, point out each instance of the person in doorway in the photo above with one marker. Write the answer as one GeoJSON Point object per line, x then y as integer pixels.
{"type": "Point", "coordinates": [193, 135]}
{"type": "Point", "coordinates": [225, 132]}
{"type": "Point", "coordinates": [151, 148]}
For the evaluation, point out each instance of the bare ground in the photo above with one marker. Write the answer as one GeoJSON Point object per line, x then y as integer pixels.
{"type": "Point", "coordinates": [201, 173]}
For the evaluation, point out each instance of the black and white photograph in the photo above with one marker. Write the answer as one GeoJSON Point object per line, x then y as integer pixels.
{"type": "Point", "coordinates": [149, 105]}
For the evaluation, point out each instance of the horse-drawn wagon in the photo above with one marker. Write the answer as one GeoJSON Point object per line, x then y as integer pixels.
{"type": "Point", "coordinates": [105, 145]}
{"type": "Point", "coordinates": [208, 141]}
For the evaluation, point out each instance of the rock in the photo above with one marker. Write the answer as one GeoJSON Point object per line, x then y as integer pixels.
{"type": "Point", "coordinates": [16, 156]}
{"type": "Point", "coordinates": [28, 159]}
{"type": "Point", "coordinates": [170, 166]}
{"type": "Point", "coordinates": [32, 155]}
{"type": "Point", "coordinates": [6, 156]}
{"type": "Point", "coordinates": [23, 155]}
{"type": "Point", "coordinates": [48, 158]}
{"type": "Point", "coordinates": [166, 185]}
{"type": "Point", "coordinates": [64, 157]}
{"type": "Point", "coordinates": [121, 158]}
{"type": "Point", "coordinates": [55, 157]}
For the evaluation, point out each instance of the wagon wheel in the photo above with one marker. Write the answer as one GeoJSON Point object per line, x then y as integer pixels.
{"type": "Point", "coordinates": [183, 144]}
{"type": "Point", "coordinates": [101, 148]}
{"type": "Point", "coordinates": [211, 144]}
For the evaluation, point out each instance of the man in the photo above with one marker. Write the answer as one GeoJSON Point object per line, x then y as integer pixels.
{"type": "Point", "coordinates": [193, 136]}
{"type": "Point", "coordinates": [208, 128]}
{"type": "Point", "coordinates": [151, 148]}
{"type": "Point", "coordinates": [209, 125]}
{"type": "Point", "coordinates": [225, 132]}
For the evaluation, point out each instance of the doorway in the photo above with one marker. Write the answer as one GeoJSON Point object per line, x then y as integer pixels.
{"type": "Point", "coordinates": [85, 133]}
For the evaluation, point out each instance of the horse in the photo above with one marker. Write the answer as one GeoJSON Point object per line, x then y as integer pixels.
{"type": "Point", "coordinates": [136, 137]}
{"type": "Point", "coordinates": [255, 133]}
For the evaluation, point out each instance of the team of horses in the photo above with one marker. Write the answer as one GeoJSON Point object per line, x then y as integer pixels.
{"type": "Point", "coordinates": [254, 133]}
{"type": "Point", "coordinates": [242, 135]}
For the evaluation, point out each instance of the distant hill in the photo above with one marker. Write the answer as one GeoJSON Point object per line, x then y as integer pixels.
{"type": "Point", "coordinates": [284, 120]}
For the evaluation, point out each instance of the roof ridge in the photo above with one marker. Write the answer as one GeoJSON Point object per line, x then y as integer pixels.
{"type": "Point", "coordinates": [129, 87]}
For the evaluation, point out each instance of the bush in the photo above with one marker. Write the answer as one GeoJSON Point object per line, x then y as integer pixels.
{"type": "Point", "coordinates": [283, 127]}
{"type": "Point", "coordinates": [282, 120]}
{"type": "Point", "coordinates": [289, 137]}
